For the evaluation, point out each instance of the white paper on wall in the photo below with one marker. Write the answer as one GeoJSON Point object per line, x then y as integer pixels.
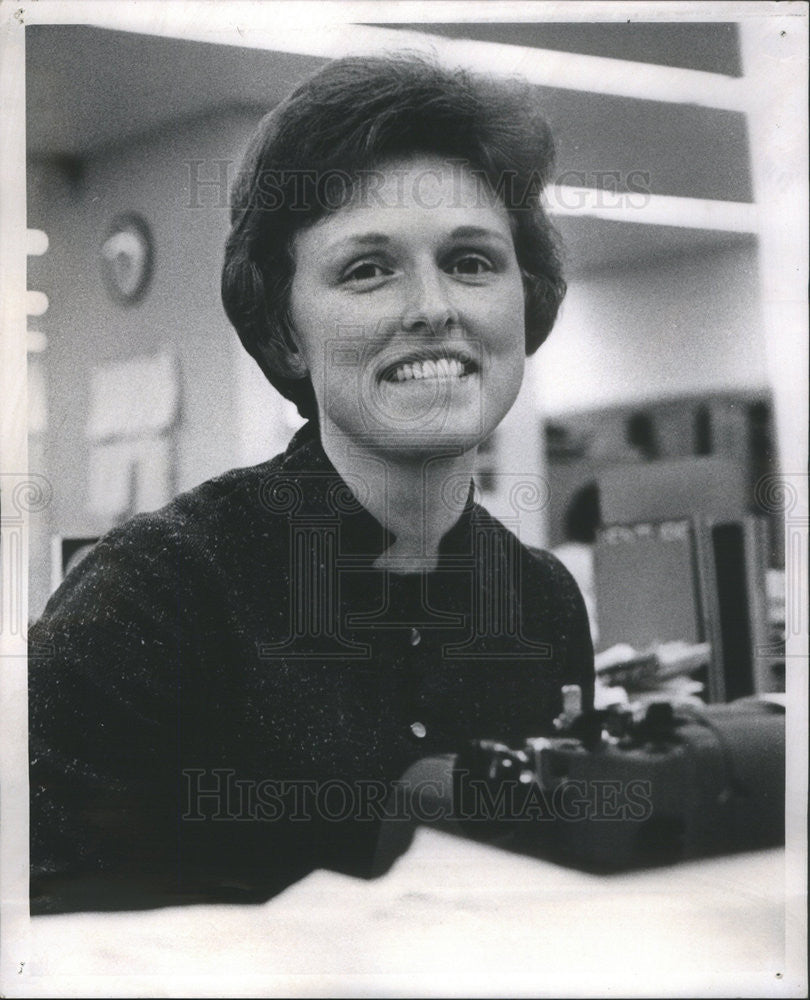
{"type": "Point", "coordinates": [129, 476]}
{"type": "Point", "coordinates": [133, 398]}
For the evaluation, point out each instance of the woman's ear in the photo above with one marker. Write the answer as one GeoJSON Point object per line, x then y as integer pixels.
{"type": "Point", "coordinates": [281, 354]}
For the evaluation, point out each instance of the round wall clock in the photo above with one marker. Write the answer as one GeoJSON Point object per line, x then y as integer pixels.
{"type": "Point", "coordinates": [127, 257]}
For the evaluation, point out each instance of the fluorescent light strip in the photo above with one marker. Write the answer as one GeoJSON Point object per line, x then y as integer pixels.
{"type": "Point", "coordinates": [653, 209]}
{"type": "Point", "coordinates": [36, 342]}
{"type": "Point", "coordinates": [36, 303]}
{"type": "Point", "coordinates": [321, 30]}
{"type": "Point", "coordinates": [36, 242]}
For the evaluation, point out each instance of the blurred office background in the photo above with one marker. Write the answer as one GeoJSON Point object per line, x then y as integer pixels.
{"type": "Point", "coordinates": [652, 402]}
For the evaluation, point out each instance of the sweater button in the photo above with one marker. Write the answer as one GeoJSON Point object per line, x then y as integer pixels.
{"type": "Point", "coordinates": [419, 730]}
{"type": "Point", "coordinates": [416, 636]}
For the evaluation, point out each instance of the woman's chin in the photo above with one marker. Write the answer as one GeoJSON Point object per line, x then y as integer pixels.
{"type": "Point", "coordinates": [428, 414]}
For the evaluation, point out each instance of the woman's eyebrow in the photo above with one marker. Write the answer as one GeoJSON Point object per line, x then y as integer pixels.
{"type": "Point", "coordinates": [361, 240]}
{"type": "Point", "coordinates": [477, 232]}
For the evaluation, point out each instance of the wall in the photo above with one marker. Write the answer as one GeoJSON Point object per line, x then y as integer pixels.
{"type": "Point", "coordinates": [512, 476]}
{"type": "Point", "coordinates": [676, 326]}
{"type": "Point", "coordinates": [74, 204]}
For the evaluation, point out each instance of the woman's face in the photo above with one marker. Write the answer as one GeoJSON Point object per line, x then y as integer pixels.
{"type": "Point", "coordinates": [407, 308]}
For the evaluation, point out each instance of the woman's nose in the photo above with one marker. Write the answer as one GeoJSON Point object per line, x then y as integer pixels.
{"type": "Point", "coordinates": [429, 308]}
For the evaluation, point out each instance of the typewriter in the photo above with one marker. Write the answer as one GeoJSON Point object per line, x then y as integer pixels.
{"type": "Point", "coordinates": [619, 788]}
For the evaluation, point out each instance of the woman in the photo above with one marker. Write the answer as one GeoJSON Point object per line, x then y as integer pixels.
{"type": "Point", "coordinates": [224, 691]}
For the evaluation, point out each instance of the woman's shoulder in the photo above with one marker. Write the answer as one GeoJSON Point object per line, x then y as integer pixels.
{"type": "Point", "coordinates": [542, 569]}
{"type": "Point", "coordinates": [192, 538]}
{"type": "Point", "coordinates": [550, 564]}
{"type": "Point", "coordinates": [194, 516]}
{"type": "Point", "coordinates": [236, 499]}
{"type": "Point", "coordinates": [540, 559]}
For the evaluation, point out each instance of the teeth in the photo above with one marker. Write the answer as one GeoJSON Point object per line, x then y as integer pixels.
{"type": "Point", "coordinates": [417, 370]}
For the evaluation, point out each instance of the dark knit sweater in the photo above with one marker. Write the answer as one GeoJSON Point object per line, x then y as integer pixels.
{"type": "Point", "coordinates": [241, 638]}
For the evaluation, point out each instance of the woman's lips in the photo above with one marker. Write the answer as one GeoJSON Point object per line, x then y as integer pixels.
{"type": "Point", "coordinates": [420, 370]}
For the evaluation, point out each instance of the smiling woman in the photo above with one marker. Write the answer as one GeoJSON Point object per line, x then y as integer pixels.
{"type": "Point", "coordinates": [429, 290]}
{"type": "Point", "coordinates": [438, 306]}
{"type": "Point", "coordinates": [282, 643]}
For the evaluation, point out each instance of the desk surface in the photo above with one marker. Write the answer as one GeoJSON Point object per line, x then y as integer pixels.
{"type": "Point", "coordinates": [451, 918]}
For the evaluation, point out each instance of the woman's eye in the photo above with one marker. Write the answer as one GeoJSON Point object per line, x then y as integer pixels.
{"type": "Point", "coordinates": [470, 264]}
{"type": "Point", "coordinates": [365, 271]}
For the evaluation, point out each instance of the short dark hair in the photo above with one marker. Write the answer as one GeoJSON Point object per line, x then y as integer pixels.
{"type": "Point", "coordinates": [353, 116]}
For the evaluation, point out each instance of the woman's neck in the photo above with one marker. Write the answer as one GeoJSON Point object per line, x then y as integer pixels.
{"type": "Point", "coordinates": [418, 498]}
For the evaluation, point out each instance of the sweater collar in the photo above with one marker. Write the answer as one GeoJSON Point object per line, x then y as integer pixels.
{"type": "Point", "coordinates": [316, 492]}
